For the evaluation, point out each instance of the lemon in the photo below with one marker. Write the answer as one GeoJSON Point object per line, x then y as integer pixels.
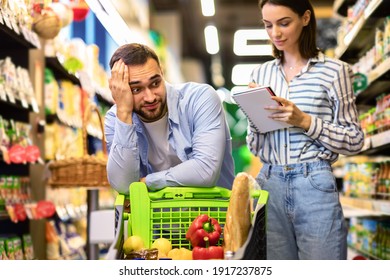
{"type": "Point", "coordinates": [180, 254]}
{"type": "Point", "coordinates": [174, 254]}
{"type": "Point", "coordinates": [133, 243]}
{"type": "Point", "coordinates": [163, 245]}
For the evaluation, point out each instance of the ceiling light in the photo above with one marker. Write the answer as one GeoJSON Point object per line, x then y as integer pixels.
{"type": "Point", "coordinates": [208, 8]}
{"type": "Point", "coordinates": [241, 73]}
{"type": "Point", "coordinates": [260, 46]}
{"type": "Point", "coordinates": [211, 37]}
{"type": "Point", "coordinates": [120, 31]}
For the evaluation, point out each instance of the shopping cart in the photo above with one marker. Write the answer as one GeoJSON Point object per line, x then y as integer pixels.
{"type": "Point", "coordinates": [170, 211]}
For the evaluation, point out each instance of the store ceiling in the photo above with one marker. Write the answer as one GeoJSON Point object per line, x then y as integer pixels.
{"type": "Point", "coordinates": [230, 16]}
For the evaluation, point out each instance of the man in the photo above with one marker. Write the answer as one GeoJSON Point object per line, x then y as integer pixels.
{"type": "Point", "coordinates": [163, 134]}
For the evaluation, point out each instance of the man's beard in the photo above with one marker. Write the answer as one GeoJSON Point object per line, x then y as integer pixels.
{"type": "Point", "coordinates": [152, 115]}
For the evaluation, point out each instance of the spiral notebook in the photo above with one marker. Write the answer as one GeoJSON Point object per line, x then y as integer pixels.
{"type": "Point", "coordinates": [252, 102]}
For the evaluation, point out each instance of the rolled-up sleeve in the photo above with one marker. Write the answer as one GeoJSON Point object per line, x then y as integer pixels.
{"type": "Point", "coordinates": [123, 155]}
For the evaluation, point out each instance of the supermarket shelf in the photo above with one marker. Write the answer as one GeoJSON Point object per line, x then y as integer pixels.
{"type": "Point", "coordinates": [59, 71]}
{"type": "Point", "coordinates": [378, 82]}
{"type": "Point", "coordinates": [366, 207]}
{"type": "Point", "coordinates": [25, 40]}
{"type": "Point", "coordinates": [361, 34]}
{"type": "Point", "coordinates": [4, 215]}
{"type": "Point", "coordinates": [14, 169]}
{"type": "Point", "coordinates": [341, 6]}
{"type": "Point", "coordinates": [353, 251]}
{"type": "Point", "coordinates": [377, 143]}
{"type": "Point", "coordinates": [14, 111]}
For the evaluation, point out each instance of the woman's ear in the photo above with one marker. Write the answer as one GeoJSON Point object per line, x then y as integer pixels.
{"type": "Point", "coordinates": [306, 17]}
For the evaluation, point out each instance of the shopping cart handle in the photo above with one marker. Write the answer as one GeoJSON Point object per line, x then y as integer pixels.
{"type": "Point", "coordinates": [184, 192]}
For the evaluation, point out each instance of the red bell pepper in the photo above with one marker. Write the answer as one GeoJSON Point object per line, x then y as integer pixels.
{"type": "Point", "coordinates": [204, 226]}
{"type": "Point", "coordinates": [208, 252]}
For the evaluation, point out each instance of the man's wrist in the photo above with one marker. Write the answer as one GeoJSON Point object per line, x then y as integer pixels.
{"type": "Point", "coordinates": [124, 116]}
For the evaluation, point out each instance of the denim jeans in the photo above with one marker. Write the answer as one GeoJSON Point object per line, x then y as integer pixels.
{"type": "Point", "coordinates": [304, 215]}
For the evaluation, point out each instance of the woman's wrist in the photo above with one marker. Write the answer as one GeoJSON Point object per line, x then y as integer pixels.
{"type": "Point", "coordinates": [306, 122]}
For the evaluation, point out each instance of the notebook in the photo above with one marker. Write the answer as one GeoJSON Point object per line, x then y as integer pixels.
{"type": "Point", "coordinates": [252, 102]}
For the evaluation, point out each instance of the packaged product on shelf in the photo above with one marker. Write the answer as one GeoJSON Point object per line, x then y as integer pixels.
{"type": "Point", "coordinates": [28, 249]}
{"type": "Point", "coordinates": [51, 92]}
{"type": "Point", "coordinates": [379, 47]}
{"type": "Point", "coordinates": [3, 253]}
{"type": "Point", "coordinates": [18, 249]}
{"type": "Point", "coordinates": [9, 247]}
{"type": "Point", "coordinates": [386, 37]}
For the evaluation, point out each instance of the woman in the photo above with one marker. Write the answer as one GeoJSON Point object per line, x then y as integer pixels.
{"type": "Point", "coordinates": [305, 218]}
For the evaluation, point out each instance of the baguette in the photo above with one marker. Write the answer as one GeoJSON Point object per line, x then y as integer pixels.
{"type": "Point", "coordinates": [238, 215]}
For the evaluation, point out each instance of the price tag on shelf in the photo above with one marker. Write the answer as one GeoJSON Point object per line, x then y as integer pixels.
{"type": "Point", "coordinates": [10, 95]}
{"type": "Point", "coordinates": [1, 17]}
{"type": "Point", "coordinates": [367, 144]}
{"type": "Point", "coordinates": [26, 33]}
{"type": "Point", "coordinates": [6, 18]}
{"type": "Point", "coordinates": [24, 102]}
{"type": "Point", "coordinates": [383, 206]}
{"type": "Point", "coordinates": [34, 105]}
{"type": "Point", "coordinates": [35, 39]}
{"type": "Point", "coordinates": [3, 94]}
{"type": "Point", "coordinates": [14, 24]}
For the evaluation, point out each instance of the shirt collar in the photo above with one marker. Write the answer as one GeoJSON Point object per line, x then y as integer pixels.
{"type": "Point", "coordinates": [319, 58]}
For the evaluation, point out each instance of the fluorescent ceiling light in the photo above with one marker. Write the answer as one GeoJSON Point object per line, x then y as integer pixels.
{"type": "Point", "coordinates": [242, 46]}
{"type": "Point", "coordinates": [241, 73]}
{"type": "Point", "coordinates": [118, 29]}
{"type": "Point", "coordinates": [208, 8]}
{"type": "Point", "coordinates": [211, 37]}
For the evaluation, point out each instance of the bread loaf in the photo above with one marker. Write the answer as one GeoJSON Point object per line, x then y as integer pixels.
{"type": "Point", "coordinates": [238, 215]}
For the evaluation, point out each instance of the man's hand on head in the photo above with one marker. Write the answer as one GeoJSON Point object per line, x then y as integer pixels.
{"type": "Point", "coordinates": [121, 91]}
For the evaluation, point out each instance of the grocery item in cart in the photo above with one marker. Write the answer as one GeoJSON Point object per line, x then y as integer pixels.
{"type": "Point", "coordinates": [169, 212]}
{"type": "Point", "coordinates": [238, 216]}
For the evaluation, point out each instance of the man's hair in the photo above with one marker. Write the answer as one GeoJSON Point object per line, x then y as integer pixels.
{"type": "Point", "coordinates": [307, 41]}
{"type": "Point", "coordinates": [134, 54]}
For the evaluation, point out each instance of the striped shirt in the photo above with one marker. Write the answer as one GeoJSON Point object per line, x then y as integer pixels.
{"type": "Point", "coordinates": [323, 89]}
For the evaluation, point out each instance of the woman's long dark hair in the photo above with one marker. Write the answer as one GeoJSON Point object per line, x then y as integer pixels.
{"type": "Point", "coordinates": [307, 41]}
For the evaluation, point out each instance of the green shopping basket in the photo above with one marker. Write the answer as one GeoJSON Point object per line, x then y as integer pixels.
{"type": "Point", "coordinates": [170, 211]}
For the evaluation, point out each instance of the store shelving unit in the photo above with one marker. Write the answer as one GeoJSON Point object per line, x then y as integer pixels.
{"type": "Point", "coordinates": [19, 44]}
{"type": "Point", "coordinates": [341, 6]}
{"type": "Point", "coordinates": [361, 36]}
{"type": "Point", "coordinates": [370, 207]}
{"type": "Point", "coordinates": [377, 144]}
{"type": "Point", "coordinates": [355, 43]}
{"type": "Point", "coordinates": [60, 72]}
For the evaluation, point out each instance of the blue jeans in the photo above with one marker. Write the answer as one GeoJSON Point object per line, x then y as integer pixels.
{"type": "Point", "coordinates": [304, 215]}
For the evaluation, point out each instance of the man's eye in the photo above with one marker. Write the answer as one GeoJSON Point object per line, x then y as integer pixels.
{"type": "Point", "coordinates": [135, 90]}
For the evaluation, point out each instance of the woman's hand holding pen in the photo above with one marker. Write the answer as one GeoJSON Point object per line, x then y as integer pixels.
{"type": "Point", "coordinates": [121, 91]}
{"type": "Point", "coordinates": [288, 112]}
